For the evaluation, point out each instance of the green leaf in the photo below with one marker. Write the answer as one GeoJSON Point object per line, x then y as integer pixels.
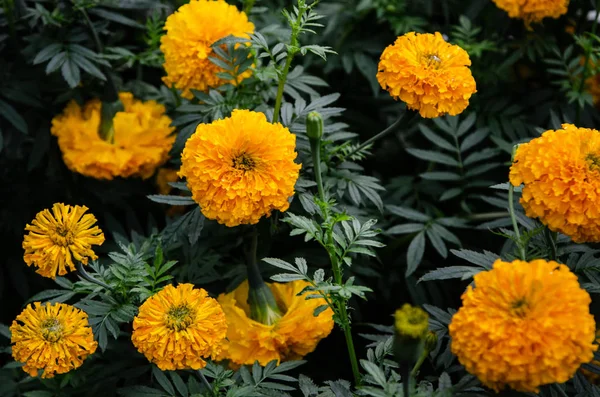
{"type": "Point", "coordinates": [319, 310]}
{"type": "Point", "coordinates": [434, 157]}
{"type": "Point", "coordinates": [115, 17]}
{"type": "Point", "coordinates": [11, 115]}
{"type": "Point", "coordinates": [179, 383]}
{"type": "Point", "coordinates": [474, 139]}
{"type": "Point", "coordinates": [88, 66]}
{"type": "Point", "coordinates": [376, 372]}
{"type": "Point", "coordinates": [450, 193]}
{"type": "Point", "coordinates": [415, 252]}
{"type": "Point", "coordinates": [282, 265]}
{"type": "Point", "coordinates": [437, 242]}
{"type": "Point", "coordinates": [163, 380]}
{"type": "Point", "coordinates": [70, 72]}
{"type": "Point", "coordinates": [171, 200]}
{"type": "Point", "coordinates": [406, 228]}
{"type": "Point", "coordinates": [408, 213]}
{"type": "Point", "coordinates": [56, 62]}
{"type": "Point", "coordinates": [440, 176]}
{"type": "Point", "coordinates": [195, 226]}
{"type": "Point", "coordinates": [445, 273]}
{"type": "Point", "coordinates": [436, 139]}
{"type": "Point", "coordinates": [47, 52]}
{"type": "Point", "coordinates": [485, 259]}
{"type": "Point", "coordinates": [286, 277]}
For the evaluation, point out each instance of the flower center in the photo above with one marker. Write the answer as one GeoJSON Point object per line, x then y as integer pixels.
{"type": "Point", "coordinates": [51, 329]}
{"type": "Point", "coordinates": [179, 317]}
{"type": "Point", "coordinates": [520, 307]}
{"type": "Point", "coordinates": [244, 162]}
{"type": "Point", "coordinates": [62, 236]}
{"type": "Point", "coordinates": [432, 60]}
{"type": "Point", "coordinates": [593, 161]}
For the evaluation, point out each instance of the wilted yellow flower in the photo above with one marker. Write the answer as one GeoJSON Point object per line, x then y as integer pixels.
{"type": "Point", "coordinates": [178, 327]}
{"type": "Point", "coordinates": [294, 335]}
{"type": "Point", "coordinates": [191, 31]}
{"type": "Point", "coordinates": [429, 74]}
{"type": "Point", "coordinates": [561, 173]}
{"type": "Point", "coordinates": [411, 321]}
{"type": "Point", "coordinates": [533, 10]}
{"type": "Point", "coordinates": [523, 325]}
{"type": "Point", "coordinates": [241, 168]}
{"type": "Point", "coordinates": [57, 238]}
{"type": "Point", "coordinates": [142, 139]}
{"type": "Point", "coordinates": [55, 338]}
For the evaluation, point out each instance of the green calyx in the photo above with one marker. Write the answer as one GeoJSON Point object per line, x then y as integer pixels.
{"type": "Point", "coordinates": [263, 307]}
{"type": "Point", "coordinates": [108, 112]}
{"type": "Point", "coordinates": [314, 125]}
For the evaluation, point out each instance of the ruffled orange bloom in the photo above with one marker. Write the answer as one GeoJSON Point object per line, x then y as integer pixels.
{"type": "Point", "coordinates": [561, 173]}
{"type": "Point", "coordinates": [178, 327]}
{"type": "Point", "coordinates": [191, 31]}
{"type": "Point", "coordinates": [429, 74]}
{"type": "Point", "coordinates": [523, 325]}
{"type": "Point", "coordinates": [55, 338]}
{"type": "Point", "coordinates": [293, 336]}
{"type": "Point", "coordinates": [57, 238]}
{"type": "Point", "coordinates": [141, 141]}
{"type": "Point", "coordinates": [240, 168]}
{"type": "Point", "coordinates": [533, 10]}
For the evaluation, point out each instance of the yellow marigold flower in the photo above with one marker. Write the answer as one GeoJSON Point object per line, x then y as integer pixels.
{"type": "Point", "coordinates": [411, 321]}
{"type": "Point", "coordinates": [429, 74]}
{"type": "Point", "coordinates": [561, 173]}
{"type": "Point", "coordinates": [533, 10]}
{"type": "Point", "coordinates": [178, 327]}
{"type": "Point", "coordinates": [142, 139]}
{"type": "Point", "coordinates": [55, 338]}
{"type": "Point", "coordinates": [56, 238]}
{"type": "Point", "coordinates": [240, 168]}
{"type": "Point", "coordinates": [523, 325]}
{"type": "Point", "coordinates": [293, 336]}
{"type": "Point", "coordinates": [191, 31]}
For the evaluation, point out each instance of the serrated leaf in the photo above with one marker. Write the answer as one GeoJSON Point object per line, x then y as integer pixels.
{"type": "Point", "coordinates": [451, 272]}
{"type": "Point", "coordinates": [408, 213]}
{"type": "Point", "coordinates": [415, 252]}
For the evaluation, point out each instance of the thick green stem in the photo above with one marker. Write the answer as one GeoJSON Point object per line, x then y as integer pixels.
{"type": "Point", "coordinates": [586, 67]}
{"type": "Point", "coordinates": [420, 362]}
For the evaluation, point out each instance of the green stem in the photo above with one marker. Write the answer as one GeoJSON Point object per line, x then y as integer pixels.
{"type": "Point", "coordinates": [207, 383]}
{"type": "Point", "coordinates": [406, 376]}
{"type": "Point", "coordinates": [586, 67]}
{"type": "Point", "coordinates": [486, 215]}
{"type": "Point", "coordinates": [292, 50]}
{"type": "Point", "coordinates": [553, 239]}
{"type": "Point", "coordinates": [315, 148]}
{"type": "Point", "coordinates": [420, 362]}
{"type": "Point", "coordinates": [513, 218]}
{"type": "Point", "coordinates": [248, 6]}
{"type": "Point", "coordinates": [380, 135]}
{"type": "Point", "coordinates": [86, 276]}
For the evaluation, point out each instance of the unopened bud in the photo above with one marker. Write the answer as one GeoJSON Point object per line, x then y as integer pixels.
{"type": "Point", "coordinates": [431, 340]}
{"type": "Point", "coordinates": [108, 112]}
{"type": "Point", "coordinates": [314, 125]}
{"type": "Point", "coordinates": [263, 307]}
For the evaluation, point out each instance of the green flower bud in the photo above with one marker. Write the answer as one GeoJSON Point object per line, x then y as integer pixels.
{"type": "Point", "coordinates": [314, 125]}
{"type": "Point", "coordinates": [431, 340]}
{"type": "Point", "coordinates": [263, 307]}
{"type": "Point", "coordinates": [108, 112]}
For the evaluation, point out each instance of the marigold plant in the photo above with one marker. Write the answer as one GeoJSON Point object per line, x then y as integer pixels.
{"type": "Point", "coordinates": [523, 325]}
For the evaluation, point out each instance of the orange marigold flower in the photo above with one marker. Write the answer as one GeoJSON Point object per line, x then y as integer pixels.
{"type": "Point", "coordinates": [429, 74]}
{"type": "Point", "coordinates": [561, 173]}
{"type": "Point", "coordinates": [533, 10]}
{"type": "Point", "coordinates": [523, 325]}
{"type": "Point", "coordinates": [191, 31]}
{"type": "Point", "coordinates": [141, 141]}
{"type": "Point", "coordinates": [56, 238]}
{"type": "Point", "coordinates": [178, 327]}
{"type": "Point", "coordinates": [55, 338]}
{"type": "Point", "coordinates": [291, 337]}
{"type": "Point", "coordinates": [241, 168]}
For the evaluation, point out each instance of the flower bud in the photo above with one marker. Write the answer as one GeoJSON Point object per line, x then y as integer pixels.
{"type": "Point", "coordinates": [431, 340]}
{"type": "Point", "coordinates": [108, 112]}
{"type": "Point", "coordinates": [410, 328]}
{"type": "Point", "coordinates": [263, 307]}
{"type": "Point", "coordinates": [314, 125]}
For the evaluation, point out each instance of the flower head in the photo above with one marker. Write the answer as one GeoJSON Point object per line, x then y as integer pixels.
{"type": "Point", "coordinates": [55, 338]}
{"type": "Point", "coordinates": [291, 337]}
{"type": "Point", "coordinates": [533, 10]}
{"type": "Point", "coordinates": [561, 173]}
{"type": "Point", "coordinates": [523, 325]}
{"type": "Point", "coordinates": [411, 321]}
{"type": "Point", "coordinates": [191, 31]}
{"type": "Point", "coordinates": [240, 168]}
{"type": "Point", "coordinates": [429, 74]}
{"type": "Point", "coordinates": [56, 238]}
{"type": "Point", "coordinates": [141, 141]}
{"type": "Point", "coordinates": [178, 327]}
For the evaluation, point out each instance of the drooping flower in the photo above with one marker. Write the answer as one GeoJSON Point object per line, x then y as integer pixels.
{"type": "Point", "coordinates": [55, 338]}
{"type": "Point", "coordinates": [291, 337]}
{"type": "Point", "coordinates": [561, 173]}
{"type": "Point", "coordinates": [241, 168]}
{"type": "Point", "coordinates": [178, 327]}
{"type": "Point", "coordinates": [191, 31]}
{"type": "Point", "coordinates": [429, 74]}
{"type": "Point", "coordinates": [57, 238]}
{"type": "Point", "coordinates": [533, 10]}
{"type": "Point", "coordinates": [140, 142]}
{"type": "Point", "coordinates": [523, 325]}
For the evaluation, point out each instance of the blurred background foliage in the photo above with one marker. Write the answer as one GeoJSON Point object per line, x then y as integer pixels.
{"type": "Point", "coordinates": [428, 183]}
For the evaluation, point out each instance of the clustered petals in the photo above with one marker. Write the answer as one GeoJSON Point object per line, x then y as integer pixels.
{"type": "Point", "coordinates": [191, 31]}
{"type": "Point", "coordinates": [141, 139]}
{"type": "Point", "coordinates": [54, 338]}
{"type": "Point", "coordinates": [429, 74]}
{"type": "Point", "coordinates": [523, 325]}
{"type": "Point", "coordinates": [294, 335]}
{"type": "Point", "coordinates": [57, 238]}
{"type": "Point", "coordinates": [561, 175]}
{"type": "Point", "coordinates": [533, 10]}
{"type": "Point", "coordinates": [178, 327]}
{"type": "Point", "coordinates": [240, 168]}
